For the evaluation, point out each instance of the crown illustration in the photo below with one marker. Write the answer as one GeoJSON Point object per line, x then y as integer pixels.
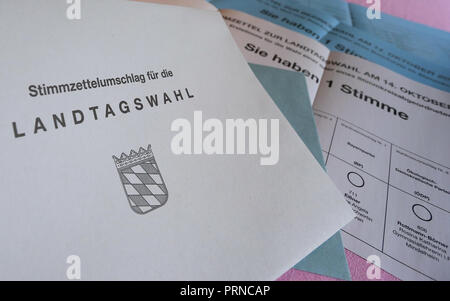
{"type": "Point", "coordinates": [133, 157]}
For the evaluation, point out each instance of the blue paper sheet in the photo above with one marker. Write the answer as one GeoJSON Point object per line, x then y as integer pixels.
{"type": "Point", "coordinates": [337, 8]}
{"type": "Point", "coordinates": [428, 43]}
{"type": "Point", "coordinates": [425, 42]}
{"type": "Point", "coordinates": [289, 92]}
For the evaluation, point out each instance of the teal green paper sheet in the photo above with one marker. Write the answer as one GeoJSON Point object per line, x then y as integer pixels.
{"type": "Point", "coordinates": [288, 90]}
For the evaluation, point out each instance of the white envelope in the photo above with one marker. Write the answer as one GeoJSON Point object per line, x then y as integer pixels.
{"type": "Point", "coordinates": [221, 217]}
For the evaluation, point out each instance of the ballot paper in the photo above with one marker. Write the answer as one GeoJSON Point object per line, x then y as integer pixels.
{"type": "Point", "coordinates": [386, 145]}
{"type": "Point", "coordinates": [339, 9]}
{"type": "Point", "coordinates": [96, 124]}
{"type": "Point", "coordinates": [423, 41]}
{"type": "Point", "coordinates": [275, 46]}
{"type": "Point", "coordinates": [420, 40]}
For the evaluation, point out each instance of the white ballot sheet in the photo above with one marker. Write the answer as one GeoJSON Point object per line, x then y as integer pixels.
{"type": "Point", "coordinates": [386, 143]}
{"type": "Point", "coordinates": [81, 102]}
{"type": "Point", "coordinates": [265, 43]}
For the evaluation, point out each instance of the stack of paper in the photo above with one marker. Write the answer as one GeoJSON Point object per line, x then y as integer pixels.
{"type": "Point", "coordinates": [377, 107]}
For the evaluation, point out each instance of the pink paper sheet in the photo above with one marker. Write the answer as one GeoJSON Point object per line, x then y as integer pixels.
{"type": "Point", "coordinates": [436, 14]}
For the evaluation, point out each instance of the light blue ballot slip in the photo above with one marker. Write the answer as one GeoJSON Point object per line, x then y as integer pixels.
{"type": "Point", "coordinates": [288, 90]}
{"type": "Point", "coordinates": [337, 8]}
{"type": "Point", "coordinates": [423, 41]}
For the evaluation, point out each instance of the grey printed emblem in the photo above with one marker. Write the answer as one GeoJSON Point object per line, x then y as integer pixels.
{"type": "Point", "coordinates": [142, 181]}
